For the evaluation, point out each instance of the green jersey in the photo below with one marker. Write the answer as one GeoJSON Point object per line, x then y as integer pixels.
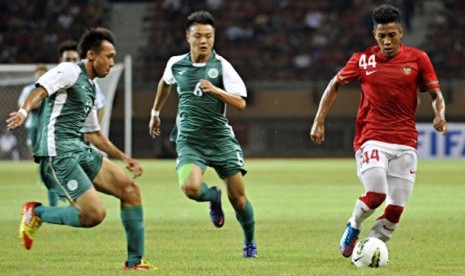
{"type": "Point", "coordinates": [71, 96]}
{"type": "Point", "coordinates": [201, 116]}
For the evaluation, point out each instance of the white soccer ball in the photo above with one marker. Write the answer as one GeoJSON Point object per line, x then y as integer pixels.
{"type": "Point", "coordinates": [370, 252]}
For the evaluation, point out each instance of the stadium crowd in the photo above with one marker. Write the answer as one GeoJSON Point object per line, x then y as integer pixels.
{"type": "Point", "coordinates": [30, 33]}
{"type": "Point", "coordinates": [266, 39]}
{"type": "Point", "coordinates": [275, 40]}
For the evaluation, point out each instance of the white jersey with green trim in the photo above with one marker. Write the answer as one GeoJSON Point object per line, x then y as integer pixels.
{"type": "Point", "coordinates": [71, 97]}
{"type": "Point", "coordinates": [202, 116]}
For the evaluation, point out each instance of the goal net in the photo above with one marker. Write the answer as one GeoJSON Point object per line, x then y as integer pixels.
{"type": "Point", "coordinates": [14, 77]}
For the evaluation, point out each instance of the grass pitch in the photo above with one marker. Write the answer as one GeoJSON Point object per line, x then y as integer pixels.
{"type": "Point", "coordinates": [301, 207]}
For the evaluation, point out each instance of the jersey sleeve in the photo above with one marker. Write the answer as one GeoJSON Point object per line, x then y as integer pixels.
{"type": "Point", "coordinates": [91, 124]}
{"type": "Point", "coordinates": [428, 77]}
{"type": "Point", "coordinates": [99, 97]}
{"type": "Point", "coordinates": [62, 76]}
{"type": "Point", "coordinates": [232, 82]}
{"type": "Point", "coordinates": [350, 71]}
{"type": "Point", "coordinates": [168, 73]}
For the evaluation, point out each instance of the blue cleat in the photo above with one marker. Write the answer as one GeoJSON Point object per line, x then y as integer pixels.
{"type": "Point", "coordinates": [348, 240]}
{"type": "Point", "coordinates": [216, 212]}
{"type": "Point", "coordinates": [250, 250]}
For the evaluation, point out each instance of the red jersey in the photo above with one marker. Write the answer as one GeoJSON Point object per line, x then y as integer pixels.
{"type": "Point", "coordinates": [388, 98]}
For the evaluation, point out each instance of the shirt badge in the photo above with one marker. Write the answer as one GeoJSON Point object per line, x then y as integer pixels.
{"type": "Point", "coordinates": [213, 73]}
{"type": "Point", "coordinates": [407, 70]}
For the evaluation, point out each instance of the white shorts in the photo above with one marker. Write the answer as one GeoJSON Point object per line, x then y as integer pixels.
{"type": "Point", "coordinates": [398, 160]}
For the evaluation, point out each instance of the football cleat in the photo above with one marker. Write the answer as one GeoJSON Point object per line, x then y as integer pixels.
{"type": "Point", "coordinates": [143, 265]}
{"type": "Point", "coordinates": [216, 212]}
{"type": "Point", "coordinates": [250, 250]}
{"type": "Point", "coordinates": [30, 223]}
{"type": "Point", "coordinates": [348, 240]}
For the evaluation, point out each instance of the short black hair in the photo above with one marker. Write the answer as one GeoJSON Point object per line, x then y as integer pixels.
{"type": "Point", "coordinates": [92, 40]}
{"type": "Point", "coordinates": [200, 17]}
{"type": "Point", "coordinates": [67, 45]}
{"type": "Point", "coordinates": [384, 14]}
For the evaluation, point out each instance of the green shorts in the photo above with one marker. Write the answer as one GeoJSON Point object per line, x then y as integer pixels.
{"type": "Point", "coordinates": [72, 173]}
{"type": "Point", "coordinates": [227, 160]}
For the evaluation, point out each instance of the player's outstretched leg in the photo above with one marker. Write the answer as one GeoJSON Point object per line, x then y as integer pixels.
{"type": "Point", "coordinates": [348, 240]}
{"type": "Point", "coordinates": [216, 211]}
{"type": "Point", "coordinates": [30, 224]}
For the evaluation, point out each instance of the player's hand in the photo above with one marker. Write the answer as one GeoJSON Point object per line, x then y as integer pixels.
{"type": "Point", "coordinates": [207, 86]}
{"type": "Point", "coordinates": [154, 126]}
{"type": "Point", "coordinates": [134, 166]}
{"type": "Point", "coordinates": [15, 120]}
{"type": "Point", "coordinates": [317, 134]}
{"type": "Point", "coordinates": [440, 125]}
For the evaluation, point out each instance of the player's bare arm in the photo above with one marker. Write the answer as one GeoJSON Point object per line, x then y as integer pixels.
{"type": "Point", "coordinates": [230, 99]}
{"type": "Point", "coordinates": [17, 118]}
{"type": "Point", "coordinates": [439, 108]}
{"type": "Point", "coordinates": [100, 141]}
{"type": "Point", "coordinates": [317, 133]}
{"type": "Point", "coordinates": [163, 91]}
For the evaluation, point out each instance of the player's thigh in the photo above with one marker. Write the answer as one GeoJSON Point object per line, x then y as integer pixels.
{"type": "Point", "coordinates": [371, 156]}
{"type": "Point", "coordinates": [64, 176]}
{"type": "Point", "coordinates": [112, 180]}
{"type": "Point", "coordinates": [227, 160]}
{"type": "Point", "coordinates": [191, 165]}
{"type": "Point", "coordinates": [404, 165]}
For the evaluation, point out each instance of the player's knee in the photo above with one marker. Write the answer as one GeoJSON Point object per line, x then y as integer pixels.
{"type": "Point", "coordinates": [373, 200]}
{"type": "Point", "coordinates": [191, 191]}
{"type": "Point", "coordinates": [92, 217]}
{"type": "Point", "coordinates": [393, 213]}
{"type": "Point", "coordinates": [238, 202]}
{"type": "Point", "coordinates": [131, 193]}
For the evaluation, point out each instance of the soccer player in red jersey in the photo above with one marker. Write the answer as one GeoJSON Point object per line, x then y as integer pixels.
{"type": "Point", "coordinates": [385, 143]}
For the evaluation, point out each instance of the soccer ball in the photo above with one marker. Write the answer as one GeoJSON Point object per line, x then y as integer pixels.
{"type": "Point", "coordinates": [370, 252]}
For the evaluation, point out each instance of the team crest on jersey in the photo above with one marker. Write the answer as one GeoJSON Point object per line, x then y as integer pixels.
{"type": "Point", "coordinates": [213, 73]}
{"type": "Point", "coordinates": [407, 70]}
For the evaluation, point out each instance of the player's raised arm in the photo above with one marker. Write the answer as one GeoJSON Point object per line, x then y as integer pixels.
{"type": "Point", "coordinates": [17, 118]}
{"type": "Point", "coordinates": [317, 133]}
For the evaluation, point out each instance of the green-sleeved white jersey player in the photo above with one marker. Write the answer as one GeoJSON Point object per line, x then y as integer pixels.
{"type": "Point", "coordinates": [207, 83]}
{"type": "Point", "coordinates": [68, 166]}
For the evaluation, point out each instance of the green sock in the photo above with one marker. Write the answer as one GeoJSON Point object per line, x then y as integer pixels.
{"type": "Point", "coordinates": [133, 222]}
{"type": "Point", "coordinates": [52, 198]}
{"type": "Point", "coordinates": [68, 215]}
{"type": "Point", "coordinates": [206, 194]}
{"type": "Point", "coordinates": [247, 221]}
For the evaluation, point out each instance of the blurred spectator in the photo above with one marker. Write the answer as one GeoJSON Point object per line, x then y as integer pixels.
{"type": "Point", "coordinates": [8, 146]}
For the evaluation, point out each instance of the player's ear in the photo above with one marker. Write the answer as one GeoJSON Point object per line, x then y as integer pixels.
{"type": "Point", "coordinates": [90, 55]}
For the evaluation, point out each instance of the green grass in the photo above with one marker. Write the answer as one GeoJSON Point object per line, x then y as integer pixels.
{"type": "Point", "coordinates": [301, 207]}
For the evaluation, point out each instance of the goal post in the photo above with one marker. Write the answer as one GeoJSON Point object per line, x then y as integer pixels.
{"type": "Point", "coordinates": [14, 77]}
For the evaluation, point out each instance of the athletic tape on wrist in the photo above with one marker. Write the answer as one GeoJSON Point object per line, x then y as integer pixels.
{"type": "Point", "coordinates": [155, 113]}
{"type": "Point", "coordinates": [23, 112]}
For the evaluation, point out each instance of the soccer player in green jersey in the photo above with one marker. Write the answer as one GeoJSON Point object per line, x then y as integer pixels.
{"type": "Point", "coordinates": [206, 84]}
{"type": "Point", "coordinates": [69, 167]}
